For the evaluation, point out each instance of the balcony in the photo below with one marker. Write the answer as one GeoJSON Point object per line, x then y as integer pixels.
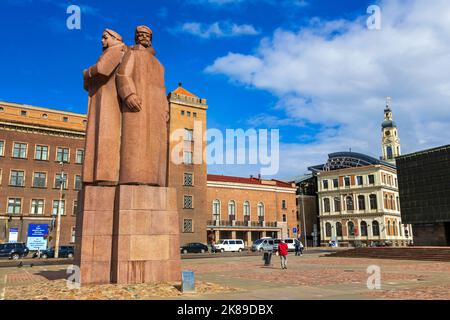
{"type": "Point", "coordinates": [243, 224]}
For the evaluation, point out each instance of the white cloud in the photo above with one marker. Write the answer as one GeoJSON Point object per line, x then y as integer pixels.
{"type": "Point", "coordinates": [217, 29]}
{"type": "Point", "coordinates": [337, 73]}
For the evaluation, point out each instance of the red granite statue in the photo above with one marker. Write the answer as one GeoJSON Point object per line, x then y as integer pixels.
{"type": "Point", "coordinates": [140, 83]}
{"type": "Point", "coordinates": [101, 165]}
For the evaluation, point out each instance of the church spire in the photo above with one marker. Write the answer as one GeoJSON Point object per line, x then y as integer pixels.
{"type": "Point", "coordinates": [390, 139]}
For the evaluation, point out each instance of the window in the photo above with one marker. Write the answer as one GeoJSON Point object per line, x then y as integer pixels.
{"type": "Point", "coordinates": [326, 205]}
{"type": "Point", "coordinates": [232, 210]}
{"type": "Point", "coordinates": [336, 183]}
{"type": "Point", "coordinates": [195, 114]}
{"type": "Point", "coordinates": [37, 206]}
{"type": "Point", "coordinates": [188, 179]}
{"type": "Point", "coordinates": [20, 150]}
{"type": "Point", "coordinates": [392, 203]}
{"type": "Point", "coordinates": [44, 116]}
{"type": "Point", "coordinates": [361, 203]}
{"type": "Point", "coordinates": [79, 156]}
{"type": "Point", "coordinates": [371, 179]}
{"type": "Point", "coordinates": [66, 119]}
{"type": "Point", "coordinates": [363, 229]}
{"type": "Point", "coordinates": [17, 178]}
{"type": "Point", "coordinates": [78, 183]}
{"type": "Point", "coordinates": [216, 210]}
{"type": "Point", "coordinates": [187, 226]}
{"type": "Point", "coordinates": [188, 202]}
{"type": "Point", "coordinates": [375, 228]}
{"type": "Point", "coordinates": [41, 153]}
{"type": "Point", "coordinates": [398, 204]}
{"type": "Point", "coordinates": [394, 227]}
{"type": "Point", "coordinates": [283, 204]}
{"type": "Point", "coordinates": [328, 229]}
{"type": "Point", "coordinates": [261, 212]}
{"type": "Point", "coordinates": [188, 135]}
{"type": "Point", "coordinates": [2, 148]}
{"type": "Point", "coordinates": [349, 202]}
{"type": "Point", "coordinates": [61, 178]}
{"type": "Point", "coordinates": [337, 204]}
{"type": "Point", "coordinates": [351, 229]}
{"type": "Point", "coordinates": [62, 154]}
{"type": "Point", "coordinates": [188, 113]}
{"type": "Point", "coordinates": [284, 218]}
{"type": "Point", "coordinates": [246, 211]}
{"type": "Point", "coordinates": [75, 208]}
{"type": "Point", "coordinates": [182, 112]}
{"type": "Point", "coordinates": [338, 229]}
{"type": "Point", "coordinates": [347, 181]}
{"type": "Point", "coordinates": [325, 184]}
{"type": "Point", "coordinates": [386, 202]}
{"type": "Point", "coordinates": [73, 235]}
{"type": "Point", "coordinates": [187, 157]}
{"type": "Point", "coordinates": [389, 229]}
{"type": "Point", "coordinates": [23, 113]}
{"type": "Point", "coordinates": [360, 180]}
{"type": "Point", "coordinates": [56, 207]}
{"type": "Point", "coordinates": [39, 180]}
{"type": "Point", "coordinates": [14, 206]}
{"type": "Point", "coordinates": [373, 202]}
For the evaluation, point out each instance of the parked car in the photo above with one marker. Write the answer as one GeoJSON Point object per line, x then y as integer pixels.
{"type": "Point", "coordinates": [13, 251]}
{"type": "Point", "coordinates": [229, 245]}
{"type": "Point", "coordinates": [264, 244]}
{"type": "Point", "coordinates": [194, 248]}
{"type": "Point", "coordinates": [64, 252]}
{"type": "Point", "coordinates": [289, 241]}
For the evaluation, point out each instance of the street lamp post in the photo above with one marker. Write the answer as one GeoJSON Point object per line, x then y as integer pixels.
{"type": "Point", "coordinates": [304, 220]}
{"type": "Point", "coordinates": [58, 223]}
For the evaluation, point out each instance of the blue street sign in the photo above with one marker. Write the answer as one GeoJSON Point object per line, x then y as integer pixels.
{"type": "Point", "coordinates": [36, 233]}
{"type": "Point", "coordinates": [295, 230]}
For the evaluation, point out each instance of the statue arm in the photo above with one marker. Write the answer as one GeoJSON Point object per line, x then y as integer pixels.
{"type": "Point", "coordinates": [125, 84]}
{"type": "Point", "coordinates": [107, 63]}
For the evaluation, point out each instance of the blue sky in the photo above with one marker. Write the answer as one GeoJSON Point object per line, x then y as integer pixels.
{"type": "Point", "coordinates": [308, 68]}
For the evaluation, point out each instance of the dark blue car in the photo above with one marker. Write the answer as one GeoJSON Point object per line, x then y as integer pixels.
{"type": "Point", "coordinates": [64, 252]}
{"type": "Point", "coordinates": [13, 251]}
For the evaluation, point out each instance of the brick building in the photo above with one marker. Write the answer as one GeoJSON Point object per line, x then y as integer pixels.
{"type": "Point", "coordinates": [33, 144]}
{"type": "Point", "coordinates": [250, 208]}
{"type": "Point", "coordinates": [34, 141]}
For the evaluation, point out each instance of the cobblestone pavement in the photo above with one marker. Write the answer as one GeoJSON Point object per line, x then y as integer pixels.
{"type": "Point", "coordinates": [307, 277]}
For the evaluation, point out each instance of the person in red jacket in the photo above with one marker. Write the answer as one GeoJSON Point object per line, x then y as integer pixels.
{"type": "Point", "coordinates": [283, 252]}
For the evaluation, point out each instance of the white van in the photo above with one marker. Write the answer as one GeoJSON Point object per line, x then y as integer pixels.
{"type": "Point", "coordinates": [229, 245]}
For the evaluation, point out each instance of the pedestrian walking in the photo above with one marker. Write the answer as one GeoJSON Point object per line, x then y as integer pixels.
{"type": "Point", "coordinates": [297, 248]}
{"type": "Point", "coordinates": [213, 243]}
{"type": "Point", "coordinates": [283, 253]}
{"type": "Point", "coordinates": [301, 248]}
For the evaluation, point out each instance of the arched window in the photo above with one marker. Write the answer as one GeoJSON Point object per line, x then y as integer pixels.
{"type": "Point", "coordinates": [361, 203]}
{"type": "Point", "coordinates": [373, 202]}
{"type": "Point", "coordinates": [392, 203]}
{"type": "Point", "coordinates": [338, 229]}
{"type": "Point", "coordinates": [394, 226]}
{"type": "Point", "coordinates": [363, 229]}
{"type": "Point", "coordinates": [216, 210]}
{"type": "Point", "coordinates": [389, 229]}
{"type": "Point", "coordinates": [232, 210]}
{"type": "Point", "coordinates": [246, 211]}
{"type": "Point", "coordinates": [390, 154]}
{"type": "Point", "coordinates": [350, 204]}
{"type": "Point", "coordinates": [400, 229]}
{"type": "Point", "coordinates": [328, 229]}
{"type": "Point", "coordinates": [326, 205]}
{"type": "Point", "coordinates": [351, 228]}
{"type": "Point", "coordinates": [375, 228]}
{"type": "Point", "coordinates": [261, 212]}
{"type": "Point", "coordinates": [386, 202]}
{"type": "Point", "coordinates": [337, 204]}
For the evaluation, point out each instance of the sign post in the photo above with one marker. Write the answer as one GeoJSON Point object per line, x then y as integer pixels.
{"type": "Point", "coordinates": [13, 235]}
{"type": "Point", "coordinates": [36, 237]}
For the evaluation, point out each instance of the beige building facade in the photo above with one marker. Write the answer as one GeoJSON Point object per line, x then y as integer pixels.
{"type": "Point", "coordinates": [359, 202]}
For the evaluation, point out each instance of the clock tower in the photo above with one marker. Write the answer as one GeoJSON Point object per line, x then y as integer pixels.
{"type": "Point", "coordinates": [390, 139]}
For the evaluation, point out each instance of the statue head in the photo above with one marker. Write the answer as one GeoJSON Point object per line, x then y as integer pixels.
{"type": "Point", "coordinates": [110, 38]}
{"type": "Point", "coordinates": [144, 36]}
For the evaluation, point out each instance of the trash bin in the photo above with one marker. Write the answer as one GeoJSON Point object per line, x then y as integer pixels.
{"type": "Point", "coordinates": [267, 258]}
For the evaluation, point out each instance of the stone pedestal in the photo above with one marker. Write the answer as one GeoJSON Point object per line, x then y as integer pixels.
{"type": "Point", "coordinates": [128, 235]}
{"type": "Point", "coordinates": [146, 244]}
{"type": "Point", "coordinates": [95, 234]}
